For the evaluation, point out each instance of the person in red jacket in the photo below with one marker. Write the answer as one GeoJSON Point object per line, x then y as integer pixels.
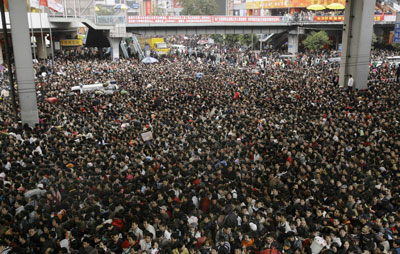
{"type": "Point", "coordinates": [236, 96]}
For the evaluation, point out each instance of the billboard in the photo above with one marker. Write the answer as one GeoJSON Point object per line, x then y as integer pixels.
{"type": "Point", "coordinates": [71, 42]}
{"type": "Point", "coordinates": [341, 18]}
{"type": "Point", "coordinates": [279, 4]}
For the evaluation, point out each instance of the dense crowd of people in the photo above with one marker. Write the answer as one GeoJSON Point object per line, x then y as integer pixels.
{"type": "Point", "coordinates": [277, 160]}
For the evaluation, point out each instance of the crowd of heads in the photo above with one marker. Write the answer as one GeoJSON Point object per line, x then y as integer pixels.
{"type": "Point", "coordinates": [277, 160]}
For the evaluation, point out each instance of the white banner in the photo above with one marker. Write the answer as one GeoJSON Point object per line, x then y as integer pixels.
{"type": "Point", "coordinates": [390, 18]}
{"type": "Point", "coordinates": [55, 6]}
{"type": "Point", "coordinates": [34, 4]}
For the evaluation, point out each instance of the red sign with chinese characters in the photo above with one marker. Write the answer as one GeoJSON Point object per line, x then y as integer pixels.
{"type": "Point", "coordinates": [147, 5]}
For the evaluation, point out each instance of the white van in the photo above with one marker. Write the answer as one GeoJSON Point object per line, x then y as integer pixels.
{"type": "Point", "coordinates": [175, 49]}
{"type": "Point", "coordinates": [394, 61]}
{"type": "Point", "coordinates": [111, 86]}
{"type": "Point", "coordinates": [284, 58]}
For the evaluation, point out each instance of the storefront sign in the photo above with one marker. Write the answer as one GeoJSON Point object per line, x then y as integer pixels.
{"type": "Point", "coordinates": [71, 42]}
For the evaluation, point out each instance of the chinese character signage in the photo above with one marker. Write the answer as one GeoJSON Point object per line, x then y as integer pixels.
{"type": "Point", "coordinates": [341, 18]}
{"type": "Point", "coordinates": [200, 19]}
{"type": "Point", "coordinates": [275, 4]}
{"type": "Point", "coordinates": [147, 5]}
{"type": "Point", "coordinates": [72, 42]}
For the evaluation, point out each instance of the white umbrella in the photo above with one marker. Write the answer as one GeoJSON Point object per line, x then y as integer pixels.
{"type": "Point", "coordinates": [149, 60]}
{"type": "Point", "coordinates": [202, 42]}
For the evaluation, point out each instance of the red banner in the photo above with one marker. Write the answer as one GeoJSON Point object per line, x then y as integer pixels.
{"type": "Point", "coordinates": [201, 19]}
{"type": "Point", "coordinates": [43, 2]}
{"type": "Point", "coordinates": [278, 4]}
{"type": "Point", "coordinates": [148, 7]}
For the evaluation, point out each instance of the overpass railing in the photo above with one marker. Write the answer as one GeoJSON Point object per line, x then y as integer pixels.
{"type": "Point", "coordinates": [137, 20]}
{"type": "Point", "coordinates": [110, 20]}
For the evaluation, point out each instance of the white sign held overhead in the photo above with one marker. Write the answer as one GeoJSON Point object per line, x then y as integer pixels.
{"type": "Point", "coordinates": [146, 136]}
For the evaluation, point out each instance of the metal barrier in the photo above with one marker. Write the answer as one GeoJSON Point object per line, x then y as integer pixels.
{"type": "Point", "coordinates": [110, 20]}
{"type": "Point", "coordinates": [137, 47]}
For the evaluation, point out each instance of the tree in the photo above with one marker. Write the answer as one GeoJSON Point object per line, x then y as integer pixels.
{"type": "Point", "coordinates": [316, 40]}
{"type": "Point", "coordinates": [231, 39]}
{"type": "Point", "coordinates": [396, 46]}
{"type": "Point", "coordinates": [199, 7]}
{"type": "Point", "coordinates": [101, 11]}
{"type": "Point", "coordinates": [158, 11]}
{"type": "Point", "coordinates": [218, 38]}
{"type": "Point", "coordinates": [246, 39]}
{"type": "Point", "coordinates": [374, 39]}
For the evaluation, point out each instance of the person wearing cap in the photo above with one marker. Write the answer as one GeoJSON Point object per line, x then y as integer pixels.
{"type": "Point", "coordinates": [163, 212]}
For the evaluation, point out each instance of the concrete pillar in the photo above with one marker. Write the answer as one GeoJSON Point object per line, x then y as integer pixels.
{"type": "Point", "coordinates": [41, 47]}
{"type": "Point", "coordinates": [114, 42]}
{"type": "Point", "coordinates": [356, 42]}
{"type": "Point", "coordinates": [293, 43]}
{"type": "Point", "coordinates": [23, 61]}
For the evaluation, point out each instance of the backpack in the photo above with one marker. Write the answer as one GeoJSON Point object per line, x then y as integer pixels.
{"type": "Point", "coordinates": [231, 220]}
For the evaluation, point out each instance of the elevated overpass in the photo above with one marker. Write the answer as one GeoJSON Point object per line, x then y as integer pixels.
{"type": "Point", "coordinates": [190, 25]}
{"type": "Point", "coordinates": [175, 25]}
{"type": "Point", "coordinates": [106, 31]}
